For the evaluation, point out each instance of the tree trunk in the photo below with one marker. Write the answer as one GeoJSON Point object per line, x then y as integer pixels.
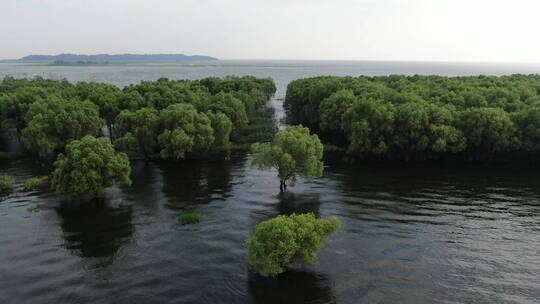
{"type": "Point", "coordinates": [145, 154]}
{"type": "Point", "coordinates": [281, 183]}
{"type": "Point", "coordinates": [109, 126]}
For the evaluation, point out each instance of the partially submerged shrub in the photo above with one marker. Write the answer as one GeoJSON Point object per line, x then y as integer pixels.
{"type": "Point", "coordinates": [189, 218]}
{"type": "Point", "coordinates": [36, 183]}
{"type": "Point", "coordinates": [6, 183]}
{"type": "Point", "coordinates": [33, 209]}
{"type": "Point", "coordinates": [88, 167]}
{"type": "Point", "coordinates": [280, 242]}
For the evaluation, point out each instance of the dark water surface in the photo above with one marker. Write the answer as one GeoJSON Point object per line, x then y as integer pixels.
{"type": "Point", "coordinates": [418, 233]}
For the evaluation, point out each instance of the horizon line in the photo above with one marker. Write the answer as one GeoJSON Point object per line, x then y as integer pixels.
{"type": "Point", "coordinates": [443, 61]}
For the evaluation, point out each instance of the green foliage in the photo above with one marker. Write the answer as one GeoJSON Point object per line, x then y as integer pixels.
{"type": "Point", "coordinates": [369, 125]}
{"type": "Point", "coordinates": [137, 131]}
{"type": "Point", "coordinates": [293, 152]}
{"type": "Point", "coordinates": [527, 121]}
{"type": "Point", "coordinates": [47, 114]}
{"type": "Point", "coordinates": [36, 183]}
{"type": "Point", "coordinates": [16, 96]}
{"type": "Point", "coordinates": [88, 167]}
{"type": "Point", "coordinates": [487, 129]}
{"type": "Point", "coordinates": [261, 127]}
{"type": "Point", "coordinates": [229, 105]}
{"type": "Point", "coordinates": [189, 218]}
{"type": "Point", "coordinates": [239, 84]}
{"type": "Point", "coordinates": [421, 117]}
{"type": "Point", "coordinates": [283, 241]}
{"type": "Point", "coordinates": [163, 93]}
{"type": "Point", "coordinates": [6, 183]}
{"type": "Point", "coordinates": [53, 122]}
{"type": "Point", "coordinates": [33, 209]}
{"type": "Point", "coordinates": [333, 108]}
{"type": "Point", "coordinates": [222, 126]}
{"type": "Point", "coordinates": [185, 130]}
{"type": "Point", "coordinates": [105, 96]}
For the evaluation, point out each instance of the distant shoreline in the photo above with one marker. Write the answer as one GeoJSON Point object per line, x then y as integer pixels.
{"type": "Point", "coordinates": [125, 63]}
{"type": "Point", "coordinates": [100, 59]}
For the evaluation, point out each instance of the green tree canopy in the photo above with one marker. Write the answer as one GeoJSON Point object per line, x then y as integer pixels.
{"type": "Point", "coordinates": [421, 117]}
{"type": "Point", "coordinates": [185, 130]}
{"type": "Point", "coordinates": [137, 131]}
{"type": "Point", "coordinates": [283, 241]}
{"type": "Point", "coordinates": [6, 183]}
{"type": "Point", "coordinates": [89, 166]}
{"type": "Point", "coordinates": [222, 126]}
{"type": "Point", "coordinates": [53, 122]}
{"type": "Point", "coordinates": [16, 96]}
{"type": "Point", "coordinates": [424, 129]}
{"type": "Point", "coordinates": [293, 152]}
{"type": "Point", "coordinates": [105, 96]}
{"type": "Point", "coordinates": [528, 122]}
{"type": "Point", "coordinates": [333, 108]}
{"type": "Point", "coordinates": [192, 115]}
{"type": "Point", "coordinates": [487, 130]}
{"type": "Point", "coordinates": [369, 125]}
{"type": "Point", "coordinates": [229, 105]}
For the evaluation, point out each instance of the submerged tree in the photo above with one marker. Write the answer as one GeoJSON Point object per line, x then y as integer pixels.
{"type": "Point", "coordinates": [6, 183]}
{"type": "Point", "coordinates": [36, 183]}
{"type": "Point", "coordinates": [293, 152]}
{"type": "Point", "coordinates": [283, 241]}
{"type": "Point", "coordinates": [89, 166]}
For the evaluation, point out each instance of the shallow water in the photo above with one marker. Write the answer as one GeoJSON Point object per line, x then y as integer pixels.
{"type": "Point", "coordinates": [418, 233]}
{"type": "Point", "coordinates": [411, 234]}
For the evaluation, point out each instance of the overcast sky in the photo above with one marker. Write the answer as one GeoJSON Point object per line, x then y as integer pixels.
{"type": "Point", "coordinates": [442, 30]}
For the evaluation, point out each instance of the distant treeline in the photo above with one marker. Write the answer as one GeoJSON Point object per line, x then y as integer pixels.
{"type": "Point", "coordinates": [422, 117]}
{"type": "Point", "coordinates": [62, 62]}
{"type": "Point", "coordinates": [164, 118]}
{"type": "Point", "coordinates": [115, 58]}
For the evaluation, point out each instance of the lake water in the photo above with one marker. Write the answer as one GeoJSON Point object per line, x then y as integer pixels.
{"type": "Point", "coordinates": [412, 233]}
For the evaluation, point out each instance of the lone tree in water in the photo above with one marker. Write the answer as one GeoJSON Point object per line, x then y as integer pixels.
{"type": "Point", "coordinates": [293, 152]}
{"type": "Point", "coordinates": [284, 241]}
{"type": "Point", "coordinates": [89, 166]}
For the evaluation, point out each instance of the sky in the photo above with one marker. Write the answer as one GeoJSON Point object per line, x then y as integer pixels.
{"type": "Point", "coordinates": [410, 30]}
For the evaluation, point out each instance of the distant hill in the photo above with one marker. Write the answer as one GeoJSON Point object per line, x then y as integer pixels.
{"type": "Point", "coordinates": [115, 58]}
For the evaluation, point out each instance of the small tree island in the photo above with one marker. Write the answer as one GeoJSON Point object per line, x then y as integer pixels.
{"type": "Point", "coordinates": [285, 240]}
{"type": "Point", "coordinates": [88, 167]}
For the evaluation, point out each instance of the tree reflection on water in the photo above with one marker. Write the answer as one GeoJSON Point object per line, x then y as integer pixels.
{"type": "Point", "coordinates": [95, 229]}
{"type": "Point", "coordinates": [293, 286]}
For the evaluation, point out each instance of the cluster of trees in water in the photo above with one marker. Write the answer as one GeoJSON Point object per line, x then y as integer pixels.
{"type": "Point", "coordinates": [58, 120]}
{"type": "Point", "coordinates": [148, 119]}
{"type": "Point", "coordinates": [422, 117]}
